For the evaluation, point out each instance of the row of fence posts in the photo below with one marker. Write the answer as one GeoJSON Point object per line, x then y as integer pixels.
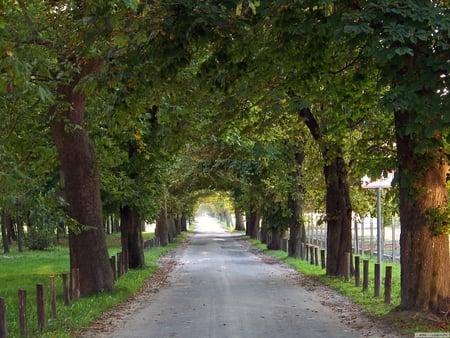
{"type": "Point", "coordinates": [317, 256]}
{"type": "Point", "coordinates": [70, 293]}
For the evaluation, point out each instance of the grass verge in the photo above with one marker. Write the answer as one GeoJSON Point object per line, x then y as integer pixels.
{"type": "Point", "coordinates": [406, 324]}
{"type": "Point", "coordinates": [27, 269]}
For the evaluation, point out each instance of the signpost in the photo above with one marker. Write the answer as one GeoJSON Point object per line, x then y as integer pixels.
{"type": "Point", "coordinates": [378, 185]}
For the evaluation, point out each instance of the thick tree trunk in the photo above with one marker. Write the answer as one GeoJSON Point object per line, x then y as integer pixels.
{"type": "Point", "coordinates": [247, 223]}
{"type": "Point", "coordinates": [425, 258]}
{"type": "Point", "coordinates": [339, 217]}
{"type": "Point", "coordinates": [87, 242]}
{"type": "Point", "coordinates": [254, 224]}
{"type": "Point", "coordinates": [239, 220]}
{"type": "Point", "coordinates": [275, 240]}
{"type": "Point", "coordinates": [183, 223]}
{"type": "Point", "coordinates": [162, 227]}
{"type": "Point", "coordinates": [338, 205]}
{"type": "Point", "coordinates": [297, 231]}
{"type": "Point", "coordinates": [131, 237]}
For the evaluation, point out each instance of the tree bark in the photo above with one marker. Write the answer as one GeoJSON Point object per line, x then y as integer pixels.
{"type": "Point", "coordinates": [131, 237]}
{"type": "Point", "coordinates": [425, 259]}
{"type": "Point", "coordinates": [162, 226]}
{"type": "Point", "coordinates": [183, 223]}
{"type": "Point", "coordinates": [297, 233]}
{"type": "Point", "coordinates": [254, 224]}
{"type": "Point", "coordinates": [239, 220]}
{"type": "Point", "coordinates": [275, 239]}
{"type": "Point", "coordinates": [339, 217]}
{"type": "Point", "coordinates": [87, 242]}
{"type": "Point", "coordinates": [338, 205]}
{"type": "Point", "coordinates": [5, 239]}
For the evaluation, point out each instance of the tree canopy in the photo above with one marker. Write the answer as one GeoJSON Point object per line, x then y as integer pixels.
{"type": "Point", "coordinates": [282, 106]}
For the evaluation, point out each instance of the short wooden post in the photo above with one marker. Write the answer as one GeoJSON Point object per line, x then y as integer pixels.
{"type": "Point", "coordinates": [3, 330]}
{"type": "Point", "coordinates": [75, 284]}
{"type": "Point", "coordinates": [125, 261]}
{"type": "Point", "coordinates": [119, 264]}
{"type": "Point", "coordinates": [365, 275]}
{"type": "Point", "coordinates": [388, 285]}
{"type": "Point", "coordinates": [65, 283]}
{"type": "Point", "coordinates": [347, 265]}
{"type": "Point", "coordinates": [311, 255]}
{"type": "Point", "coordinates": [322, 258]}
{"type": "Point", "coordinates": [40, 305]}
{"type": "Point", "coordinates": [316, 255]}
{"type": "Point", "coordinates": [377, 280]}
{"type": "Point", "coordinates": [357, 272]}
{"type": "Point", "coordinates": [53, 296]}
{"type": "Point", "coordinates": [112, 262]}
{"type": "Point", "coordinates": [23, 313]}
{"type": "Point", "coordinates": [306, 252]}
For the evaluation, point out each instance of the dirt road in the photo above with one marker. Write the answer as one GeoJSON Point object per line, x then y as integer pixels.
{"type": "Point", "coordinates": [219, 288]}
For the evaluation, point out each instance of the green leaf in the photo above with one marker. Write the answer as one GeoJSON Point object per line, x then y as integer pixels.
{"type": "Point", "coordinates": [403, 51]}
{"type": "Point", "coordinates": [131, 4]}
{"type": "Point", "coordinates": [45, 95]}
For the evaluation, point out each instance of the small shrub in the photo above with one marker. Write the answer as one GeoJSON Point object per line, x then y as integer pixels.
{"type": "Point", "coordinates": [39, 238]}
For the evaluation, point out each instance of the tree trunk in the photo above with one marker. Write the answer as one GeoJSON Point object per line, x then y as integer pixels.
{"type": "Point", "coordinates": [247, 223]}
{"type": "Point", "coordinates": [338, 205]}
{"type": "Point", "coordinates": [131, 237]}
{"type": "Point", "coordinates": [87, 242]}
{"type": "Point", "coordinates": [275, 240]}
{"type": "Point", "coordinates": [183, 223]}
{"type": "Point", "coordinates": [5, 239]}
{"type": "Point", "coordinates": [162, 226]}
{"type": "Point", "coordinates": [254, 224]}
{"type": "Point", "coordinates": [297, 231]}
{"type": "Point", "coordinates": [239, 220]}
{"type": "Point", "coordinates": [339, 217]}
{"type": "Point", "coordinates": [425, 259]}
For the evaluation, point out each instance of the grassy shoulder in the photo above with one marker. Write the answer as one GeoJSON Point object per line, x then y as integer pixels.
{"type": "Point", "coordinates": [23, 271]}
{"type": "Point", "coordinates": [374, 306]}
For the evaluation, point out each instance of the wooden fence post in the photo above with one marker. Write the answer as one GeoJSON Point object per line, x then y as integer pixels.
{"type": "Point", "coordinates": [306, 252]}
{"type": "Point", "coordinates": [40, 305]}
{"type": "Point", "coordinates": [22, 313]}
{"type": "Point", "coordinates": [3, 330]}
{"type": "Point", "coordinates": [388, 285]}
{"type": "Point", "coordinates": [311, 255]}
{"type": "Point", "coordinates": [66, 289]}
{"type": "Point", "coordinates": [112, 261]}
{"type": "Point", "coordinates": [357, 272]}
{"type": "Point", "coordinates": [53, 296]}
{"type": "Point", "coordinates": [316, 256]}
{"type": "Point", "coordinates": [75, 284]}
{"type": "Point", "coordinates": [347, 265]}
{"type": "Point", "coordinates": [125, 261]}
{"type": "Point", "coordinates": [119, 264]}
{"type": "Point", "coordinates": [377, 280]}
{"type": "Point", "coordinates": [365, 275]}
{"type": "Point", "coordinates": [322, 258]}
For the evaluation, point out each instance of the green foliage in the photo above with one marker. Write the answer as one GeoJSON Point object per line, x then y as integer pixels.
{"type": "Point", "coordinates": [439, 221]}
{"type": "Point", "coordinates": [39, 238]}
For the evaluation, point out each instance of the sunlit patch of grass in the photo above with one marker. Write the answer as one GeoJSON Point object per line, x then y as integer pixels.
{"type": "Point", "coordinates": [26, 269]}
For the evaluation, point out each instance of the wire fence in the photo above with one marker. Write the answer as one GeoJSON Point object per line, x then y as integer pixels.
{"type": "Point", "coordinates": [364, 235]}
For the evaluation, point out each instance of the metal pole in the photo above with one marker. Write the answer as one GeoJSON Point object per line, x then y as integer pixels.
{"type": "Point", "coordinates": [379, 248]}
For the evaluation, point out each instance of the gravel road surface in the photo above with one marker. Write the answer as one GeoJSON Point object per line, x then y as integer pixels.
{"type": "Point", "coordinates": [218, 286]}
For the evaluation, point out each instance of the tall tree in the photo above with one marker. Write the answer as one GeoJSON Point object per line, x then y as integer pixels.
{"type": "Point", "coordinates": [409, 43]}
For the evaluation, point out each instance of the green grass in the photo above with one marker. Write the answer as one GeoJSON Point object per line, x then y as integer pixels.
{"type": "Point", "coordinates": [25, 270]}
{"type": "Point", "coordinates": [365, 299]}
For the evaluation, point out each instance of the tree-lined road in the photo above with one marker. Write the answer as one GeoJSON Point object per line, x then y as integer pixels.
{"type": "Point", "coordinates": [220, 289]}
